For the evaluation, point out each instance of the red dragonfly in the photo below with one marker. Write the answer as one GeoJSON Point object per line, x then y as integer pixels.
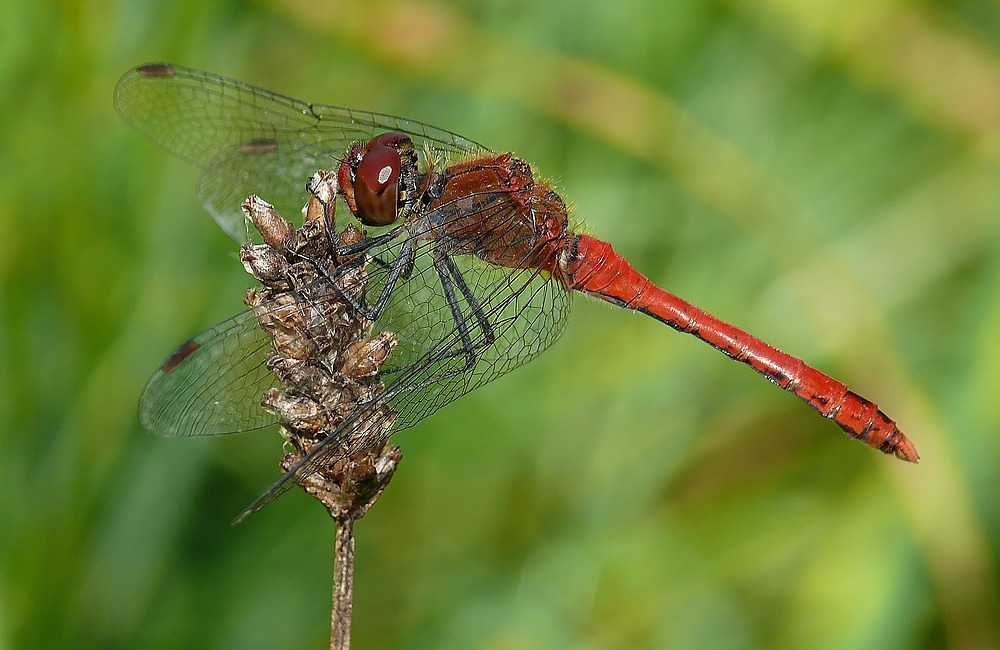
{"type": "Point", "coordinates": [474, 261]}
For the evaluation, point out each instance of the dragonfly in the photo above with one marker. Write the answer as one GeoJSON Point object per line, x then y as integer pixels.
{"type": "Point", "coordinates": [473, 263]}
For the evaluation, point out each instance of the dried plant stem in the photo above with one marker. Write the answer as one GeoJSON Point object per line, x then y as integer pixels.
{"type": "Point", "coordinates": [343, 586]}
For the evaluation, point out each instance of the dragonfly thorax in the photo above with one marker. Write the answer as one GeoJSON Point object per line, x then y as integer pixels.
{"type": "Point", "coordinates": [379, 179]}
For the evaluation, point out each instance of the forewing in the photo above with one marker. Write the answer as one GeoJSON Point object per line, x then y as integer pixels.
{"type": "Point", "coordinates": [248, 140]}
{"type": "Point", "coordinates": [212, 384]}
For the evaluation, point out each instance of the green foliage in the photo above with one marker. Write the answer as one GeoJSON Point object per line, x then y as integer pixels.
{"type": "Point", "coordinates": [823, 174]}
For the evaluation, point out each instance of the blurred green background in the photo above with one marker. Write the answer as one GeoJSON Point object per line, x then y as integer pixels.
{"type": "Point", "coordinates": [824, 174]}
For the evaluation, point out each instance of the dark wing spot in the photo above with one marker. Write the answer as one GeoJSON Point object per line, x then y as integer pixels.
{"type": "Point", "coordinates": [259, 145]}
{"type": "Point", "coordinates": [155, 70]}
{"type": "Point", "coordinates": [180, 355]}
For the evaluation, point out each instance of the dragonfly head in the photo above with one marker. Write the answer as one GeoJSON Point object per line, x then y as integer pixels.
{"type": "Point", "coordinates": [378, 179]}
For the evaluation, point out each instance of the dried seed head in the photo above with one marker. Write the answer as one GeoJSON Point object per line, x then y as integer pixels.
{"type": "Point", "coordinates": [323, 353]}
{"type": "Point", "coordinates": [364, 357]}
{"type": "Point", "coordinates": [323, 187]}
{"type": "Point", "coordinates": [275, 230]}
{"type": "Point", "coordinates": [263, 262]}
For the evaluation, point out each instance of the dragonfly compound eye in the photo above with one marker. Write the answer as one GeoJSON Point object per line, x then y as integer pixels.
{"type": "Point", "coordinates": [376, 186]}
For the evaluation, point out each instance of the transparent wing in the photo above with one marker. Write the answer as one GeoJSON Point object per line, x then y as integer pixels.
{"type": "Point", "coordinates": [212, 384]}
{"type": "Point", "coordinates": [248, 140]}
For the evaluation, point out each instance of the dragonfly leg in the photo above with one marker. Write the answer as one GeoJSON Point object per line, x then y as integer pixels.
{"type": "Point", "coordinates": [368, 242]}
{"type": "Point", "coordinates": [451, 278]}
{"type": "Point", "coordinates": [470, 298]}
{"type": "Point", "coordinates": [401, 268]}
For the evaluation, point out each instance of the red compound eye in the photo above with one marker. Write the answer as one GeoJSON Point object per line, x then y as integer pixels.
{"type": "Point", "coordinates": [376, 187]}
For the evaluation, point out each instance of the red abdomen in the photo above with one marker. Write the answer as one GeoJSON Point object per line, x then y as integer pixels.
{"type": "Point", "coordinates": [592, 266]}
